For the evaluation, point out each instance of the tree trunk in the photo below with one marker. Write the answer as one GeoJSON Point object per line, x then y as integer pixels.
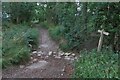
{"type": "Point", "coordinates": [17, 20]}
{"type": "Point", "coordinates": [113, 41]}
{"type": "Point", "coordinates": [84, 19]}
{"type": "Point", "coordinates": [84, 15]}
{"type": "Point", "coordinates": [118, 42]}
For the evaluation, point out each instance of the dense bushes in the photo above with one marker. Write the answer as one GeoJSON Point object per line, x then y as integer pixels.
{"type": "Point", "coordinates": [44, 24]}
{"type": "Point", "coordinates": [80, 20]}
{"type": "Point", "coordinates": [57, 34]}
{"type": "Point", "coordinates": [94, 64]}
{"type": "Point", "coordinates": [16, 40]}
{"type": "Point", "coordinates": [32, 37]}
{"type": "Point", "coordinates": [68, 40]}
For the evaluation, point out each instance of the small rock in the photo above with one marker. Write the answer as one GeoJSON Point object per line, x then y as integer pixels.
{"type": "Point", "coordinates": [39, 55]}
{"type": "Point", "coordinates": [50, 53]}
{"type": "Point", "coordinates": [73, 54]}
{"type": "Point", "coordinates": [34, 52]}
{"type": "Point", "coordinates": [34, 60]}
{"type": "Point", "coordinates": [61, 54]}
{"type": "Point", "coordinates": [63, 70]}
{"type": "Point", "coordinates": [22, 66]}
{"type": "Point", "coordinates": [30, 45]}
{"type": "Point", "coordinates": [67, 54]}
{"type": "Point", "coordinates": [41, 70]}
{"type": "Point", "coordinates": [46, 56]}
{"type": "Point", "coordinates": [76, 58]}
{"type": "Point", "coordinates": [61, 74]}
{"type": "Point", "coordinates": [31, 57]}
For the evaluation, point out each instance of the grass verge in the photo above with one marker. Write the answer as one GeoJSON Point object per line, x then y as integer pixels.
{"type": "Point", "coordinates": [95, 64]}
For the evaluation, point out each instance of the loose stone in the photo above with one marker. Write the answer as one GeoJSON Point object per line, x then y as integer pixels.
{"type": "Point", "coordinates": [73, 54]}
{"type": "Point", "coordinates": [39, 55]}
{"type": "Point", "coordinates": [34, 52]}
{"type": "Point", "coordinates": [31, 57]}
{"type": "Point", "coordinates": [50, 53]}
{"type": "Point", "coordinates": [34, 60]}
{"type": "Point", "coordinates": [22, 66]}
{"type": "Point", "coordinates": [67, 54]}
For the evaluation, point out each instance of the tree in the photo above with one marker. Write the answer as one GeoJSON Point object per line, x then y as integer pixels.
{"type": "Point", "coordinates": [19, 12]}
{"type": "Point", "coordinates": [84, 15]}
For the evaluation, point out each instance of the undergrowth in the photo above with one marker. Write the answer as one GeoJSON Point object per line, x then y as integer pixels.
{"type": "Point", "coordinates": [46, 24]}
{"type": "Point", "coordinates": [15, 47]}
{"type": "Point", "coordinates": [95, 64]}
{"type": "Point", "coordinates": [57, 34]}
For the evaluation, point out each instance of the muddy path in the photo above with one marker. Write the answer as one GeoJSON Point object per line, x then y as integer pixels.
{"type": "Point", "coordinates": [48, 61]}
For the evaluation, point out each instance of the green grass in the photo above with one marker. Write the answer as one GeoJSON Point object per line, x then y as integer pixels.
{"type": "Point", "coordinates": [15, 48]}
{"type": "Point", "coordinates": [95, 64]}
{"type": "Point", "coordinates": [56, 32]}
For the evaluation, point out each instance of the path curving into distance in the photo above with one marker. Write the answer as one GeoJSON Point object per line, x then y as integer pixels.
{"type": "Point", "coordinates": [48, 61]}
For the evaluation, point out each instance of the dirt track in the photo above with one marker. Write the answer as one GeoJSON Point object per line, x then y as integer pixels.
{"type": "Point", "coordinates": [42, 64]}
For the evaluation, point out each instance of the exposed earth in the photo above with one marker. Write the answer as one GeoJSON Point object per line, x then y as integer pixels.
{"type": "Point", "coordinates": [48, 61]}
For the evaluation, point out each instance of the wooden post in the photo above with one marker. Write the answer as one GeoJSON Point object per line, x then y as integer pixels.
{"type": "Point", "coordinates": [101, 39]}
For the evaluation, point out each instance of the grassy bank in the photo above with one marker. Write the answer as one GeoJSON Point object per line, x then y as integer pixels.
{"type": "Point", "coordinates": [15, 44]}
{"type": "Point", "coordinates": [95, 64]}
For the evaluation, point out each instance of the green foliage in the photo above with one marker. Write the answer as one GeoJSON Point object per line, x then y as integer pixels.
{"type": "Point", "coordinates": [56, 32]}
{"type": "Point", "coordinates": [4, 63]}
{"type": "Point", "coordinates": [16, 40]}
{"type": "Point", "coordinates": [95, 64]}
{"type": "Point", "coordinates": [45, 24]}
{"type": "Point", "coordinates": [64, 46]}
{"type": "Point", "coordinates": [78, 24]}
{"type": "Point", "coordinates": [6, 25]}
{"type": "Point", "coordinates": [39, 13]}
{"type": "Point", "coordinates": [18, 11]}
{"type": "Point", "coordinates": [32, 36]}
